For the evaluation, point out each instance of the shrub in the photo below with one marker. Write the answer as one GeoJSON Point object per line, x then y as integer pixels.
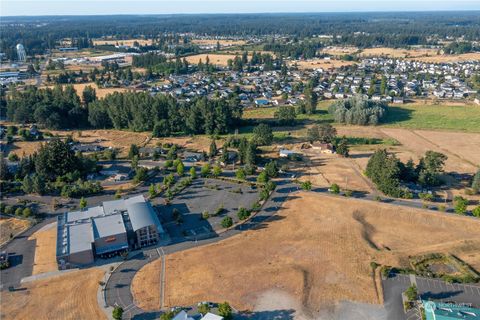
{"type": "Point", "coordinates": [411, 292]}
{"type": "Point", "coordinates": [227, 222]}
{"type": "Point", "coordinates": [205, 171]}
{"type": "Point", "coordinates": [334, 188]}
{"type": "Point", "coordinates": [426, 196]}
{"type": "Point", "coordinates": [243, 214]}
{"type": "Point", "coordinates": [18, 211]}
{"type": "Point", "coordinates": [348, 193]}
{"type": "Point", "coordinates": [476, 212]}
{"type": "Point", "coordinates": [117, 313]}
{"type": "Point", "coordinates": [442, 208]}
{"type": "Point", "coordinates": [9, 210]}
{"type": "Point", "coordinates": [205, 215]}
{"type": "Point", "coordinates": [193, 173]}
{"type": "Point", "coordinates": [262, 177]}
{"type": "Point", "coordinates": [27, 212]}
{"type": "Point", "coordinates": [12, 157]}
{"type": "Point", "coordinates": [460, 204]}
{"type": "Point", "coordinates": [241, 174]}
{"type": "Point", "coordinates": [306, 185]}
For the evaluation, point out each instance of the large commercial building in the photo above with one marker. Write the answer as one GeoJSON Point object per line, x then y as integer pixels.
{"type": "Point", "coordinates": [106, 230]}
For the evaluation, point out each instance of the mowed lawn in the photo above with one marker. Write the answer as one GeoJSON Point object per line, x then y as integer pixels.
{"type": "Point", "coordinates": [410, 116]}
{"type": "Point", "coordinates": [445, 117]}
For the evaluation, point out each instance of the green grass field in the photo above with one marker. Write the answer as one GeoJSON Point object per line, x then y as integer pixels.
{"type": "Point", "coordinates": [443, 117]}
{"type": "Point", "coordinates": [411, 116]}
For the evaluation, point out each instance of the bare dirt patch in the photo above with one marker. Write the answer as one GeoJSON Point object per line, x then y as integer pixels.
{"type": "Point", "coordinates": [315, 251]}
{"type": "Point", "coordinates": [69, 296]}
{"type": "Point", "coordinates": [12, 226]}
{"type": "Point", "coordinates": [45, 253]}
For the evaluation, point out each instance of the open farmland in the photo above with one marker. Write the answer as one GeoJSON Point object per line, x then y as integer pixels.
{"type": "Point", "coordinates": [215, 59]}
{"type": "Point", "coordinates": [303, 254]}
{"type": "Point", "coordinates": [45, 249]}
{"type": "Point", "coordinates": [428, 116]}
{"type": "Point", "coordinates": [398, 53]}
{"type": "Point", "coordinates": [69, 296]}
{"type": "Point", "coordinates": [445, 58]}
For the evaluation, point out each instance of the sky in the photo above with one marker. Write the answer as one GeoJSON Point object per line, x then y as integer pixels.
{"type": "Point", "coordinates": [106, 7]}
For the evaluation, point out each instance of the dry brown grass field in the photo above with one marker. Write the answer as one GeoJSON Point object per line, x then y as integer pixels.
{"type": "Point", "coordinates": [324, 169]}
{"type": "Point", "coordinates": [45, 259]}
{"type": "Point", "coordinates": [12, 226]}
{"type": "Point", "coordinates": [398, 53]}
{"type": "Point", "coordinates": [69, 296]}
{"type": "Point", "coordinates": [129, 42]}
{"type": "Point", "coordinates": [119, 139]}
{"type": "Point", "coordinates": [317, 250]}
{"type": "Point", "coordinates": [216, 59]}
{"type": "Point", "coordinates": [321, 63]}
{"type": "Point", "coordinates": [339, 51]}
{"type": "Point", "coordinates": [101, 92]}
{"type": "Point", "coordinates": [449, 58]}
{"type": "Point", "coordinates": [24, 148]}
{"type": "Point", "coordinates": [226, 42]}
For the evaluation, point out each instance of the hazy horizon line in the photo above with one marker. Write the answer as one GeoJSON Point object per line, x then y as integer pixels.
{"type": "Point", "coordinates": [240, 13]}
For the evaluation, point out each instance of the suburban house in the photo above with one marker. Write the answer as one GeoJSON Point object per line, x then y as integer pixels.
{"type": "Point", "coordinates": [211, 316]}
{"type": "Point", "coordinates": [285, 153]}
{"type": "Point", "coordinates": [105, 231]}
{"type": "Point", "coordinates": [323, 147]}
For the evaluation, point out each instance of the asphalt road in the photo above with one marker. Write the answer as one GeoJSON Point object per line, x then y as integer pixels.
{"type": "Point", "coordinates": [117, 290]}
{"type": "Point", "coordinates": [22, 254]}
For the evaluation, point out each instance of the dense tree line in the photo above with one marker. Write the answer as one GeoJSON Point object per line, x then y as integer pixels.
{"type": "Point", "coordinates": [295, 50]}
{"type": "Point", "coordinates": [164, 114]}
{"type": "Point", "coordinates": [358, 110]}
{"type": "Point", "coordinates": [59, 108]}
{"type": "Point", "coordinates": [363, 29]}
{"type": "Point", "coordinates": [55, 108]}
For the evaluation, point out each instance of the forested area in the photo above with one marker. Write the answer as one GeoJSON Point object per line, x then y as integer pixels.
{"type": "Point", "coordinates": [362, 29]}
{"type": "Point", "coordinates": [60, 108]}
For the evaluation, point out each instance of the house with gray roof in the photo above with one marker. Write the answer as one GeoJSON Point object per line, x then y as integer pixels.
{"type": "Point", "coordinates": [105, 231]}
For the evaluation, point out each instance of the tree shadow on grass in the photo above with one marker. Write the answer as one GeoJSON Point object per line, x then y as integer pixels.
{"type": "Point", "coordinates": [397, 114]}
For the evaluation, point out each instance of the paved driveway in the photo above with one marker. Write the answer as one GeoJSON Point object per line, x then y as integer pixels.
{"type": "Point", "coordinates": [429, 289]}
{"type": "Point", "coordinates": [22, 253]}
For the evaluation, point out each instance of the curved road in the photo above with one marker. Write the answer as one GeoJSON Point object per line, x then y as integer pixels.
{"type": "Point", "coordinates": [117, 289]}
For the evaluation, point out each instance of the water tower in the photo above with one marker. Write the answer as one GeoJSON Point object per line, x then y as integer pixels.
{"type": "Point", "coordinates": [22, 55]}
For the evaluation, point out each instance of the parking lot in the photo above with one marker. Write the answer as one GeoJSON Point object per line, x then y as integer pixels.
{"type": "Point", "coordinates": [429, 289]}
{"type": "Point", "coordinates": [205, 195]}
